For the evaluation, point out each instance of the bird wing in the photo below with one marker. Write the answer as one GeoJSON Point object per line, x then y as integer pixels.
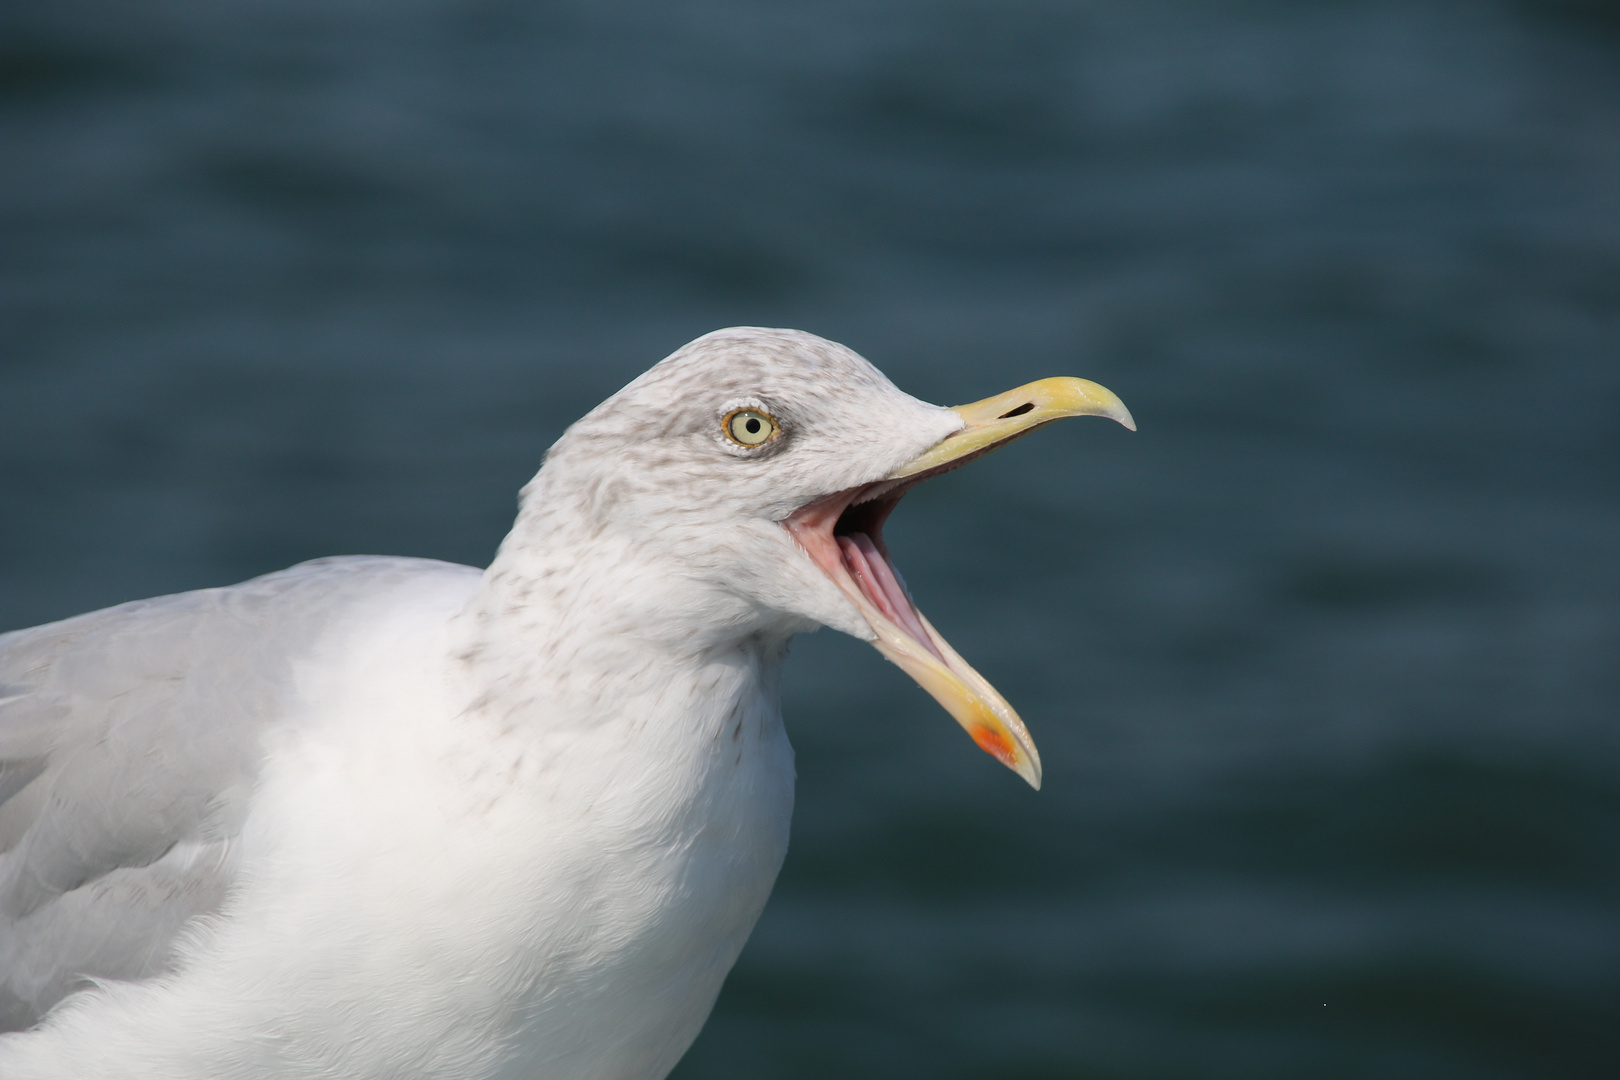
{"type": "Point", "coordinates": [130, 741]}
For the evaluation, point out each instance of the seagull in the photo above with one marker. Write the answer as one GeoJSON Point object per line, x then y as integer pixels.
{"type": "Point", "coordinates": [385, 817]}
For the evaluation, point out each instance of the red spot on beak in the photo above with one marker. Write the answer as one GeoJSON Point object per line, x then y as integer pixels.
{"type": "Point", "coordinates": [995, 744]}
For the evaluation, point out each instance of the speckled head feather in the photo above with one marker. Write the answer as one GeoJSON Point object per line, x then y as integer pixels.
{"type": "Point", "coordinates": [650, 477]}
{"type": "Point", "coordinates": [843, 424]}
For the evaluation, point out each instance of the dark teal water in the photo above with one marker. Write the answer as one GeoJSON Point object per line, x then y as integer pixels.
{"type": "Point", "coordinates": [1324, 662]}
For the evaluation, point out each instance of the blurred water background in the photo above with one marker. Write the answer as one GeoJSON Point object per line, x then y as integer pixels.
{"type": "Point", "coordinates": [1322, 661]}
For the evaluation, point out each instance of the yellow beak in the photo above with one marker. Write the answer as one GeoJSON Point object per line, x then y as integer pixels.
{"type": "Point", "coordinates": [842, 534]}
{"type": "Point", "coordinates": [997, 421]}
{"type": "Point", "coordinates": [983, 713]}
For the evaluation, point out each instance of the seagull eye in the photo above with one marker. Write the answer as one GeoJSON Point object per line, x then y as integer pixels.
{"type": "Point", "coordinates": [749, 427]}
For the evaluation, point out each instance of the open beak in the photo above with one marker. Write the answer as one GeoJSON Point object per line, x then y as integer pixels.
{"type": "Point", "coordinates": [843, 535]}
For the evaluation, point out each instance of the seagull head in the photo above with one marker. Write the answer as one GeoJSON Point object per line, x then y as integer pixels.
{"type": "Point", "coordinates": [743, 483]}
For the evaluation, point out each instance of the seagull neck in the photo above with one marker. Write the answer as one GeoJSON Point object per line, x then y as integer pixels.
{"type": "Point", "coordinates": [590, 625]}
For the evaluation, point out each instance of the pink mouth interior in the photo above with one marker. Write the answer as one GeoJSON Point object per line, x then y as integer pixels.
{"type": "Point", "coordinates": [845, 538]}
{"type": "Point", "coordinates": [880, 583]}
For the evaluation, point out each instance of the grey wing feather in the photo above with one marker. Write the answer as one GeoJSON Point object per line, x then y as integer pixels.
{"type": "Point", "coordinates": [130, 740]}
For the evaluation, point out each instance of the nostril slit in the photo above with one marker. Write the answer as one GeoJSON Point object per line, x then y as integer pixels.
{"type": "Point", "coordinates": [1020, 411]}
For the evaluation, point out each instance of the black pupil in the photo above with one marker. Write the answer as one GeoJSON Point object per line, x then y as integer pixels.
{"type": "Point", "coordinates": [752, 425]}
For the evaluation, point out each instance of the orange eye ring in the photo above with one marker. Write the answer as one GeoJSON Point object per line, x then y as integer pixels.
{"type": "Point", "coordinates": [750, 427]}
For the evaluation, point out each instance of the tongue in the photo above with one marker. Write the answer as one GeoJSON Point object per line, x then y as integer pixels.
{"type": "Point", "coordinates": [877, 580]}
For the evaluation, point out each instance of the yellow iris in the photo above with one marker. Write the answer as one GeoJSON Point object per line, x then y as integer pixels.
{"type": "Point", "coordinates": [749, 427]}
